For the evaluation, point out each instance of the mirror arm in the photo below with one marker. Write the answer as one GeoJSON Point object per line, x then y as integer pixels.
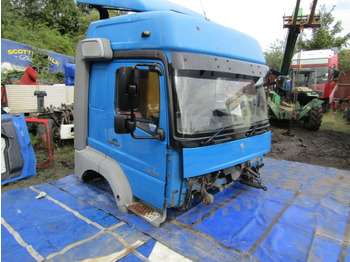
{"type": "Point", "coordinates": [131, 123]}
{"type": "Point", "coordinates": [152, 67]}
{"type": "Point", "coordinates": [159, 136]}
{"type": "Point", "coordinates": [143, 137]}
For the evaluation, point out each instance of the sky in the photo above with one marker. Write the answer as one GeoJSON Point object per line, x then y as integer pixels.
{"type": "Point", "coordinates": [263, 20]}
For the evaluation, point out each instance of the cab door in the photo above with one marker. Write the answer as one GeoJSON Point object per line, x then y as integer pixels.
{"type": "Point", "coordinates": [143, 160]}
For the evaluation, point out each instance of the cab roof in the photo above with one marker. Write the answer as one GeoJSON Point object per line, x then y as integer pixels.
{"type": "Point", "coordinates": [173, 31]}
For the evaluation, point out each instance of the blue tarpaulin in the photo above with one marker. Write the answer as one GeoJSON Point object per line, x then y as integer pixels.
{"type": "Point", "coordinates": [304, 216]}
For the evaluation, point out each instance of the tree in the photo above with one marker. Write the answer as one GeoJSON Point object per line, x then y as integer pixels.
{"type": "Point", "coordinates": [45, 24]}
{"type": "Point", "coordinates": [344, 60]}
{"type": "Point", "coordinates": [55, 25]}
{"type": "Point", "coordinates": [273, 55]}
{"type": "Point", "coordinates": [58, 14]}
{"type": "Point", "coordinates": [325, 36]}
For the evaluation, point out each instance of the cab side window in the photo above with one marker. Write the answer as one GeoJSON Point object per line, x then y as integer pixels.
{"type": "Point", "coordinates": [147, 112]}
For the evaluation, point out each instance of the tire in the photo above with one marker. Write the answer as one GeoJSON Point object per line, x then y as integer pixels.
{"type": "Point", "coordinates": [314, 119]}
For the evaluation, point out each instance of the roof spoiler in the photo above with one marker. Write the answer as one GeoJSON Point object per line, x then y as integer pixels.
{"type": "Point", "coordinates": [138, 6]}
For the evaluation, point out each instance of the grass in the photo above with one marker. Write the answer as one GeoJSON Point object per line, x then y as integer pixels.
{"type": "Point", "coordinates": [334, 121]}
{"type": "Point", "coordinates": [65, 153]}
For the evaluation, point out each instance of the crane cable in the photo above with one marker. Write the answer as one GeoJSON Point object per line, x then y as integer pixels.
{"type": "Point", "coordinates": [295, 87]}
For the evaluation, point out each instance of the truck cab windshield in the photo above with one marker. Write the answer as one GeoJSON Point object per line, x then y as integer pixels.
{"type": "Point", "coordinates": [208, 101]}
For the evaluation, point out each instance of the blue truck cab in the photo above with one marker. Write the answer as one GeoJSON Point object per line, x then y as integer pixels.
{"type": "Point", "coordinates": [168, 106]}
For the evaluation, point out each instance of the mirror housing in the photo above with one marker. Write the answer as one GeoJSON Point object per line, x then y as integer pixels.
{"type": "Point", "coordinates": [123, 124]}
{"type": "Point", "coordinates": [335, 74]}
{"type": "Point", "coordinates": [128, 88]}
{"type": "Point", "coordinates": [160, 134]}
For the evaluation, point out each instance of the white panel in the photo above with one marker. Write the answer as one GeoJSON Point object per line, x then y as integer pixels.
{"type": "Point", "coordinates": [21, 98]}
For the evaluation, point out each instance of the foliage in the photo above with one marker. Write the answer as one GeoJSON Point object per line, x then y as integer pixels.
{"type": "Point", "coordinates": [34, 140]}
{"type": "Point", "coordinates": [325, 37]}
{"type": "Point", "coordinates": [6, 77]}
{"type": "Point", "coordinates": [12, 77]}
{"type": "Point", "coordinates": [46, 24]}
{"type": "Point", "coordinates": [84, 22]}
{"type": "Point", "coordinates": [344, 60]}
{"type": "Point", "coordinates": [58, 14]}
{"type": "Point", "coordinates": [274, 54]}
{"type": "Point", "coordinates": [53, 25]}
{"type": "Point", "coordinates": [39, 59]}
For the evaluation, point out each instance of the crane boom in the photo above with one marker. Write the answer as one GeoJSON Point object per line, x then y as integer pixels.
{"type": "Point", "coordinates": [294, 24]}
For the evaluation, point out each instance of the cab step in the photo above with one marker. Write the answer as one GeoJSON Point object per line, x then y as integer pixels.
{"type": "Point", "coordinates": [152, 216]}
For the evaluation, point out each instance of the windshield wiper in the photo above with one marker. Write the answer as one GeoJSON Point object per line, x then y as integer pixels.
{"type": "Point", "coordinates": [255, 126]}
{"type": "Point", "coordinates": [250, 133]}
{"type": "Point", "coordinates": [215, 135]}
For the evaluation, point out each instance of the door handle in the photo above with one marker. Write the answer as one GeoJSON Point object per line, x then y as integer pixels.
{"type": "Point", "coordinates": [114, 142]}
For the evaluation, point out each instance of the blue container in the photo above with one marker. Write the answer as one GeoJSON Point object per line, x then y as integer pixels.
{"type": "Point", "coordinates": [69, 72]}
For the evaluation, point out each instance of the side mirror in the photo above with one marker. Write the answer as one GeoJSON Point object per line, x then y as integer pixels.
{"type": "Point", "coordinates": [128, 88]}
{"type": "Point", "coordinates": [160, 134]}
{"type": "Point", "coordinates": [335, 74]}
{"type": "Point", "coordinates": [123, 124]}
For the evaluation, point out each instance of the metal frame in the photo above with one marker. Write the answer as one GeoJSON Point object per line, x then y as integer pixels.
{"type": "Point", "coordinates": [49, 150]}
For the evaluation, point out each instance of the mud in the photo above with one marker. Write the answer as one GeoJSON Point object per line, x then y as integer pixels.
{"type": "Point", "coordinates": [322, 148]}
